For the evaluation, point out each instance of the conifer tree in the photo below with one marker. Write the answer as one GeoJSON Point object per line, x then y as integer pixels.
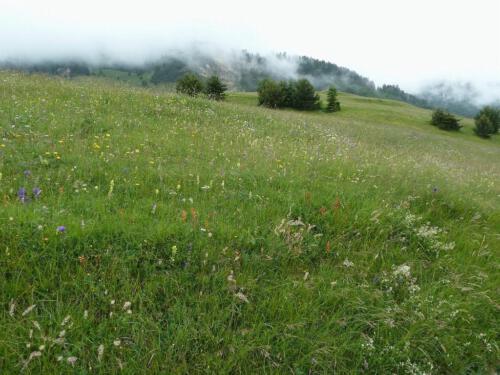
{"type": "Point", "coordinates": [333, 105]}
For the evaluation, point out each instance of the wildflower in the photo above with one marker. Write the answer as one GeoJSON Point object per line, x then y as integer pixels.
{"type": "Point", "coordinates": [242, 297]}
{"type": "Point", "coordinates": [12, 308]}
{"type": "Point", "coordinates": [127, 305]}
{"type": "Point", "coordinates": [36, 192]}
{"type": "Point", "coordinates": [347, 263]}
{"type": "Point", "coordinates": [153, 209]}
{"type": "Point", "coordinates": [100, 352]}
{"type": "Point", "coordinates": [22, 194]}
{"type": "Point", "coordinates": [65, 320]}
{"type": "Point", "coordinates": [402, 270]}
{"type": "Point", "coordinates": [27, 173]}
{"type": "Point", "coordinates": [117, 342]}
{"type": "Point", "coordinates": [435, 189]}
{"type": "Point", "coordinates": [30, 358]}
{"type": "Point", "coordinates": [71, 360]}
{"type": "Point", "coordinates": [61, 229]}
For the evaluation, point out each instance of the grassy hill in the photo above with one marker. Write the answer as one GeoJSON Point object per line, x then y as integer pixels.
{"type": "Point", "coordinates": [179, 235]}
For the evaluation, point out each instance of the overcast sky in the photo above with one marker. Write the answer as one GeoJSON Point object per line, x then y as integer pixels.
{"type": "Point", "coordinates": [390, 41]}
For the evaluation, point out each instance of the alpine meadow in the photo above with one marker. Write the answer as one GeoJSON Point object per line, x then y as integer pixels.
{"type": "Point", "coordinates": [144, 231]}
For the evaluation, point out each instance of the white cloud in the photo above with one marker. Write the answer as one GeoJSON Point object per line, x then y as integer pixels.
{"type": "Point", "coordinates": [392, 41]}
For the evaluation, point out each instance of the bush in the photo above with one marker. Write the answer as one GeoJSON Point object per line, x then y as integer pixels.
{"type": "Point", "coordinates": [493, 115]}
{"type": "Point", "coordinates": [215, 89]}
{"type": "Point", "coordinates": [305, 96]}
{"type": "Point", "coordinates": [333, 105]}
{"type": "Point", "coordinates": [484, 126]}
{"type": "Point", "coordinates": [271, 94]}
{"type": "Point", "coordinates": [445, 120]}
{"type": "Point", "coordinates": [189, 84]}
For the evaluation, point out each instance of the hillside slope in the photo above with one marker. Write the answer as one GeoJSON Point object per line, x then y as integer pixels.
{"type": "Point", "coordinates": [179, 235]}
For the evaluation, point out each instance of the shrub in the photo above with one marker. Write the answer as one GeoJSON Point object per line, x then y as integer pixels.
{"type": "Point", "coordinates": [271, 94]}
{"type": "Point", "coordinates": [445, 120]}
{"type": "Point", "coordinates": [305, 96]}
{"type": "Point", "coordinates": [189, 84]}
{"type": "Point", "coordinates": [215, 89]}
{"type": "Point", "coordinates": [333, 105]}
{"type": "Point", "coordinates": [493, 115]}
{"type": "Point", "coordinates": [484, 126]}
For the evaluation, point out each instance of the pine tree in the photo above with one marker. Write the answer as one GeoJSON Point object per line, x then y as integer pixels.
{"type": "Point", "coordinates": [333, 105]}
{"type": "Point", "coordinates": [215, 89]}
{"type": "Point", "coordinates": [189, 84]}
{"type": "Point", "coordinates": [493, 115]}
{"type": "Point", "coordinates": [305, 96]}
{"type": "Point", "coordinates": [484, 126]}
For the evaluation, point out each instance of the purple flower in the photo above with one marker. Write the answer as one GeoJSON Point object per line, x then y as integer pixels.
{"type": "Point", "coordinates": [61, 229]}
{"type": "Point", "coordinates": [36, 192]}
{"type": "Point", "coordinates": [27, 173]}
{"type": "Point", "coordinates": [22, 194]}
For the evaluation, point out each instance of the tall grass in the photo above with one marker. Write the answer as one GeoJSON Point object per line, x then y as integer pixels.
{"type": "Point", "coordinates": [204, 237]}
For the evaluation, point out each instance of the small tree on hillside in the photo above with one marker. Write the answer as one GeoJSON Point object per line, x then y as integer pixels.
{"type": "Point", "coordinates": [288, 93]}
{"type": "Point", "coordinates": [305, 96]}
{"type": "Point", "coordinates": [493, 115]}
{"type": "Point", "coordinates": [333, 105]}
{"type": "Point", "coordinates": [271, 94]}
{"type": "Point", "coordinates": [445, 120]}
{"type": "Point", "coordinates": [484, 126]}
{"type": "Point", "coordinates": [189, 84]}
{"type": "Point", "coordinates": [215, 89]}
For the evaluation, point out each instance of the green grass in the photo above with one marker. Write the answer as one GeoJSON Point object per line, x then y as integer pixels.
{"type": "Point", "coordinates": [246, 240]}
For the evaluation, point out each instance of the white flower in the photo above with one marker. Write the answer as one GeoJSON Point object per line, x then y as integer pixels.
{"type": "Point", "coordinates": [117, 342]}
{"type": "Point", "coordinates": [65, 320]}
{"type": "Point", "coordinates": [242, 297]}
{"type": "Point", "coordinates": [347, 263]}
{"type": "Point", "coordinates": [12, 308]}
{"type": "Point", "coordinates": [127, 305]}
{"type": "Point", "coordinates": [100, 352]}
{"type": "Point", "coordinates": [71, 360]}
{"type": "Point", "coordinates": [403, 270]}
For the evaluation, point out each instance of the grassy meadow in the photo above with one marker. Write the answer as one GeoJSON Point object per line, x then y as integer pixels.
{"type": "Point", "coordinates": [146, 232]}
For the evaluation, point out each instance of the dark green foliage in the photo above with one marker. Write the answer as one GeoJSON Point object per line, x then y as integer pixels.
{"type": "Point", "coordinates": [493, 115]}
{"type": "Point", "coordinates": [291, 94]}
{"type": "Point", "coordinates": [484, 126]}
{"type": "Point", "coordinates": [215, 89]}
{"type": "Point", "coordinates": [445, 120]}
{"type": "Point", "coordinates": [169, 71]}
{"type": "Point", "coordinates": [189, 84]}
{"type": "Point", "coordinates": [305, 96]}
{"type": "Point", "coordinates": [394, 92]}
{"type": "Point", "coordinates": [333, 105]}
{"type": "Point", "coordinates": [271, 94]}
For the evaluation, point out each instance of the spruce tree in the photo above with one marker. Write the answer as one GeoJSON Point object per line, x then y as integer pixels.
{"type": "Point", "coordinates": [333, 105]}
{"type": "Point", "coordinates": [215, 89]}
{"type": "Point", "coordinates": [189, 84]}
{"type": "Point", "coordinates": [484, 126]}
{"type": "Point", "coordinates": [493, 115]}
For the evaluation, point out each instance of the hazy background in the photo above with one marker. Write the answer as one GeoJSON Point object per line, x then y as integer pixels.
{"type": "Point", "coordinates": [410, 43]}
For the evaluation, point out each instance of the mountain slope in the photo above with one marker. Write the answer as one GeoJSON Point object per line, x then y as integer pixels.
{"type": "Point", "coordinates": [223, 237]}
